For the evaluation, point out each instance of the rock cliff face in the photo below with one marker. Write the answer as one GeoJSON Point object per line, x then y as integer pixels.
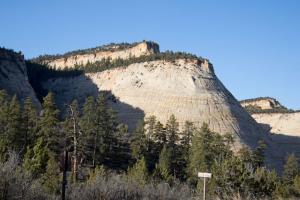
{"type": "Point", "coordinates": [13, 75]}
{"type": "Point", "coordinates": [280, 123]}
{"type": "Point", "coordinates": [274, 116]}
{"type": "Point", "coordinates": [263, 103]}
{"type": "Point", "coordinates": [189, 89]}
{"type": "Point", "coordinates": [112, 52]}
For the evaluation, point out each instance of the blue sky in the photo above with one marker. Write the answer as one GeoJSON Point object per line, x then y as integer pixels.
{"type": "Point", "coordinates": [254, 45]}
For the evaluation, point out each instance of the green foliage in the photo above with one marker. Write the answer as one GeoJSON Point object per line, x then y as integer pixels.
{"type": "Point", "coordinates": [35, 159]}
{"type": "Point", "coordinates": [256, 109]}
{"type": "Point", "coordinates": [164, 164]}
{"type": "Point", "coordinates": [100, 170]}
{"type": "Point", "coordinates": [88, 124]}
{"type": "Point", "coordinates": [196, 158]}
{"type": "Point", "coordinates": [138, 143]}
{"type": "Point", "coordinates": [156, 152]}
{"type": "Point", "coordinates": [49, 124]}
{"type": "Point", "coordinates": [4, 112]}
{"type": "Point", "coordinates": [108, 47]}
{"type": "Point", "coordinates": [30, 123]}
{"type": "Point", "coordinates": [139, 172]}
{"type": "Point", "coordinates": [291, 169]}
{"type": "Point", "coordinates": [50, 178]}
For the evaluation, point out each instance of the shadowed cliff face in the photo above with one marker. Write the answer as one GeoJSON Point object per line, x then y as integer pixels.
{"type": "Point", "coordinates": [80, 87]}
{"type": "Point", "coordinates": [13, 76]}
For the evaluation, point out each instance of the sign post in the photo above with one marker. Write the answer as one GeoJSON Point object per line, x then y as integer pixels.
{"type": "Point", "coordinates": [204, 175]}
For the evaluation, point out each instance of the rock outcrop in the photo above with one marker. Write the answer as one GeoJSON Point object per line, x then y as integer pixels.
{"type": "Point", "coordinates": [189, 89]}
{"type": "Point", "coordinates": [274, 117]}
{"type": "Point", "coordinates": [283, 124]}
{"type": "Point", "coordinates": [112, 52]}
{"type": "Point", "coordinates": [13, 75]}
{"type": "Point", "coordinates": [264, 103]}
{"type": "Point", "coordinates": [280, 123]}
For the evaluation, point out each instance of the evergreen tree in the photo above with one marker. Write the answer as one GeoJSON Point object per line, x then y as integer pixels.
{"type": "Point", "coordinates": [139, 172]}
{"type": "Point", "coordinates": [196, 158]}
{"type": "Point", "coordinates": [164, 164]}
{"type": "Point", "coordinates": [50, 178]}
{"type": "Point", "coordinates": [138, 142]}
{"type": "Point", "coordinates": [187, 135]}
{"type": "Point", "coordinates": [101, 139]}
{"type": "Point", "coordinates": [159, 134]}
{"type": "Point", "coordinates": [36, 158]}
{"type": "Point", "coordinates": [49, 124]}
{"type": "Point", "coordinates": [150, 126]}
{"type": "Point", "coordinates": [291, 169]}
{"type": "Point", "coordinates": [159, 137]}
{"type": "Point", "coordinates": [172, 129]}
{"type": "Point", "coordinates": [264, 182]}
{"type": "Point", "coordinates": [4, 111]}
{"type": "Point", "coordinates": [172, 133]}
{"type": "Point", "coordinates": [30, 123]}
{"type": "Point", "coordinates": [14, 124]}
{"type": "Point", "coordinates": [258, 157]}
{"type": "Point", "coordinates": [88, 124]}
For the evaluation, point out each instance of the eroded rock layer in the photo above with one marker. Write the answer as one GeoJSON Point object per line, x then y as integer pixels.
{"type": "Point", "coordinates": [189, 89]}
{"type": "Point", "coordinates": [112, 52]}
{"type": "Point", "coordinates": [264, 103]}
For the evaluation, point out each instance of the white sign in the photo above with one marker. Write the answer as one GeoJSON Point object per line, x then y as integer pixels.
{"type": "Point", "coordinates": [204, 175]}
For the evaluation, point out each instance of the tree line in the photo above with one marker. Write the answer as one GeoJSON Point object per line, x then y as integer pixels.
{"type": "Point", "coordinates": [102, 150]}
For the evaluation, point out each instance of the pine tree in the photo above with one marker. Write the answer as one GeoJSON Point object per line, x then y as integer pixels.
{"type": "Point", "coordinates": [150, 126]}
{"type": "Point", "coordinates": [49, 124]}
{"type": "Point", "coordinates": [164, 164]}
{"type": "Point", "coordinates": [101, 144]}
{"type": "Point", "coordinates": [187, 133]}
{"type": "Point", "coordinates": [291, 169]}
{"type": "Point", "coordinates": [172, 129]}
{"type": "Point", "coordinates": [159, 137]}
{"type": "Point", "coordinates": [139, 172]}
{"type": "Point", "coordinates": [159, 133]}
{"type": "Point", "coordinates": [88, 124]}
{"type": "Point", "coordinates": [36, 158]}
{"type": "Point", "coordinates": [4, 111]}
{"type": "Point", "coordinates": [196, 157]}
{"type": "Point", "coordinates": [30, 123]}
{"type": "Point", "coordinates": [138, 142]}
{"type": "Point", "coordinates": [50, 178]}
{"type": "Point", "coordinates": [172, 133]}
{"type": "Point", "coordinates": [14, 124]}
{"type": "Point", "coordinates": [258, 157]}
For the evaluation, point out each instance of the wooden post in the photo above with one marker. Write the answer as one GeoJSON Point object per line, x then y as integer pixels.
{"type": "Point", "coordinates": [64, 181]}
{"type": "Point", "coordinates": [204, 189]}
{"type": "Point", "coordinates": [204, 175]}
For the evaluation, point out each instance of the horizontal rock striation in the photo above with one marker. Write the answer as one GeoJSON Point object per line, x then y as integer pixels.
{"type": "Point", "coordinates": [189, 89]}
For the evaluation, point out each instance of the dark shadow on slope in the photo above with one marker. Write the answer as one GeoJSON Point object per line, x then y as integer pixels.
{"type": "Point", "coordinates": [38, 73]}
{"type": "Point", "coordinates": [67, 89]}
{"type": "Point", "coordinates": [280, 146]}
